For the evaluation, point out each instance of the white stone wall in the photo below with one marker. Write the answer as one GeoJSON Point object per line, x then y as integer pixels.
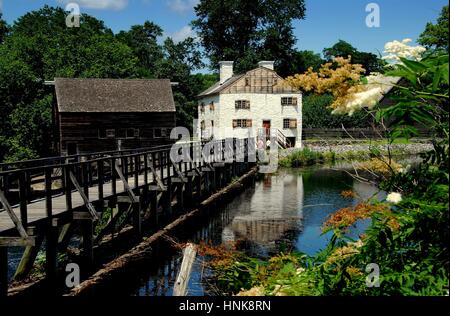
{"type": "Point", "coordinates": [208, 116]}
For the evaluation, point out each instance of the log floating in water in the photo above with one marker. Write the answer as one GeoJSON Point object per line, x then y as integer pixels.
{"type": "Point", "coordinates": [182, 281]}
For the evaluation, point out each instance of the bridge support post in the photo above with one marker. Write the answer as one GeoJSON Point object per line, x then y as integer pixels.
{"type": "Point", "coordinates": [51, 255]}
{"type": "Point", "coordinates": [87, 231]}
{"type": "Point", "coordinates": [199, 188]}
{"type": "Point", "coordinates": [137, 217]}
{"type": "Point", "coordinates": [208, 183]}
{"type": "Point", "coordinates": [180, 198]}
{"type": "Point", "coordinates": [3, 271]}
{"type": "Point", "coordinates": [218, 176]}
{"type": "Point", "coordinates": [153, 196]}
{"type": "Point", "coordinates": [28, 258]}
{"type": "Point", "coordinates": [166, 201]}
{"type": "Point", "coordinates": [229, 170]}
{"type": "Point", "coordinates": [188, 192]}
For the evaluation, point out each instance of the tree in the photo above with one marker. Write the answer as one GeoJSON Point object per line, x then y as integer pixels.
{"type": "Point", "coordinates": [43, 41]}
{"type": "Point", "coordinates": [18, 87]}
{"type": "Point", "coordinates": [143, 39]}
{"type": "Point", "coordinates": [304, 59]}
{"type": "Point", "coordinates": [318, 114]}
{"type": "Point", "coordinates": [435, 36]}
{"type": "Point", "coordinates": [370, 62]}
{"type": "Point", "coordinates": [249, 31]}
{"type": "Point", "coordinates": [3, 29]}
{"type": "Point", "coordinates": [180, 59]}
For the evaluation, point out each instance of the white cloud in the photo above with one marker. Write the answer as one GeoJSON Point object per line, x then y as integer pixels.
{"type": "Point", "coordinates": [182, 34]}
{"type": "Point", "coordinates": [99, 4]}
{"type": "Point", "coordinates": [182, 6]}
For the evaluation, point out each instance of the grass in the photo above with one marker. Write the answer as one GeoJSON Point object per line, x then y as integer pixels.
{"type": "Point", "coordinates": [301, 158]}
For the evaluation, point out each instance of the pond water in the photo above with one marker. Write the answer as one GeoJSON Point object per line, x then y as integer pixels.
{"type": "Point", "coordinates": [282, 211]}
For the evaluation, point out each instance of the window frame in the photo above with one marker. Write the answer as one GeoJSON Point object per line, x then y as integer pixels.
{"type": "Point", "coordinates": [239, 123]}
{"type": "Point", "coordinates": [242, 104]}
{"type": "Point", "coordinates": [289, 101]}
{"type": "Point", "coordinates": [291, 123]}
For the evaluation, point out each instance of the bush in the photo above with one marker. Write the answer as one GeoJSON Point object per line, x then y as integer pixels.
{"type": "Point", "coordinates": [316, 114]}
{"type": "Point", "coordinates": [300, 158]}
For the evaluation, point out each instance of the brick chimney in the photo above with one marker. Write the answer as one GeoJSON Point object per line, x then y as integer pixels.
{"type": "Point", "coordinates": [226, 70]}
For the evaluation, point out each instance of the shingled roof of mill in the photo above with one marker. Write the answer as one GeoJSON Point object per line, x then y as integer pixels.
{"type": "Point", "coordinates": [114, 95]}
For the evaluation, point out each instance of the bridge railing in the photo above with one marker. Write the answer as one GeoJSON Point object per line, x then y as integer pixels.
{"type": "Point", "coordinates": [21, 187]}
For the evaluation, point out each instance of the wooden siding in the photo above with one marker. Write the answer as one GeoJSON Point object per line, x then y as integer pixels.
{"type": "Point", "coordinates": [260, 80]}
{"type": "Point", "coordinates": [83, 129]}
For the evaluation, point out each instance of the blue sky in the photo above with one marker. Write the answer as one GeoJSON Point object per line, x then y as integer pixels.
{"type": "Point", "coordinates": [326, 20]}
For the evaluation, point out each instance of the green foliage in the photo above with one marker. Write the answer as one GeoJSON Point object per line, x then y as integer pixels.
{"type": "Point", "coordinates": [370, 62]}
{"type": "Point", "coordinates": [31, 127]}
{"type": "Point", "coordinates": [143, 40]}
{"type": "Point", "coordinates": [39, 46]}
{"type": "Point", "coordinates": [435, 36]}
{"type": "Point", "coordinates": [304, 157]}
{"type": "Point", "coordinates": [249, 31]}
{"type": "Point", "coordinates": [305, 59]}
{"type": "Point", "coordinates": [317, 114]}
{"type": "Point", "coordinates": [3, 29]}
{"type": "Point", "coordinates": [42, 40]}
{"type": "Point", "coordinates": [407, 240]}
{"type": "Point", "coordinates": [424, 102]}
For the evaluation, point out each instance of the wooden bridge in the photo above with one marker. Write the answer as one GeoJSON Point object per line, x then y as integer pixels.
{"type": "Point", "coordinates": [98, 195]}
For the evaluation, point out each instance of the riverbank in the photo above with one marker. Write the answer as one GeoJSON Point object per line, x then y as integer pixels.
{"type": "Point", "coordinates": [318, 152]}
{"type": "Point", "coordinates": [362, 148]}
{"type": "Point", "coordinates": [408, 226]}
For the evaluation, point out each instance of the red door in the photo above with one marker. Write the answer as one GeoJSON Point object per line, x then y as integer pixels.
{"type": "Point", "coordinates": [266, 126]}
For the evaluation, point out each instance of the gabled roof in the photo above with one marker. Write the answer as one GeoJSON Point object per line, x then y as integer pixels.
{"type": "Point", "coordinates": [114, 95]}
{"type": "Point", "coordinates": [217, 87]}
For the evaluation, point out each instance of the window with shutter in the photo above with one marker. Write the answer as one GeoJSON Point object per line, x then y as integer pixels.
{"type": "Point", "coordinates": [293, 124]}
{"type": "Point", "coordinates": [289, 124]}
{"type": "Point", "coordinates": [286, 101]}
{"type": "Point", "coordinates": [242, 123]}
{"type": "Point", "coordinates": [242, 104]}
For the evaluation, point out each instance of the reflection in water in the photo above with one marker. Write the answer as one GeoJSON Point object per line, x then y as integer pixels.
{"type": "Point", "coordinates": [283, 211]}
{"type": "Point", "coordinates": [273, 210]}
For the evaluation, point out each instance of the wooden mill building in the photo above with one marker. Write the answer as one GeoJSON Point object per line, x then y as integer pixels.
{"type": "Point", "coordinates": [95, 115]}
